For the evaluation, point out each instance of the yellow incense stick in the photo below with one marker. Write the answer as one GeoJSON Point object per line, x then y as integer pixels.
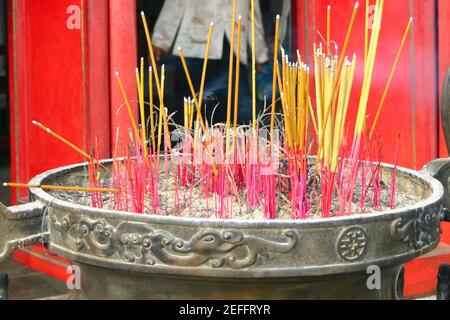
{"type": "Point", "coordinates": [191, 87]}
{"type": "Point", "coordinates": [140, 84]}
{"type": "Point", "coordinates": [130, 112]}
{"type": "Point", "coordinates": [202, 86]}
{"type": "Point", "coordinates": [68, 143]}
{"type": "Point", "coordinates": [162, 110]}
{"type": "Point", "coordinates": [253, 70]}
{"type": "Point", "coordinates": [340, 65]}
{"type": "Point", "coordinates": [274, 80]}
{"type": "Point", "coordinates": [366, 31]}
{"type": "Point", "coordinates": [155, 72]}
{"type": "Point", "coordinates": [62, 188]}
{"type": "Point", "coordinates": [236, 80]}
{"type": "Point", "coordinates": [361, 117]}
{"type": "Point", "coordinates": [391, 75]}
{"type": "Point", "coordinates": [152, 121]}
{"type": "Point", "coordinates": [63, 140]}
{"type": "Point", "coordinates": [205, 64]}
{"type": "Point", "coordinates": [328, 29]}
{"type": "Point", "coordinates": [230, 77]}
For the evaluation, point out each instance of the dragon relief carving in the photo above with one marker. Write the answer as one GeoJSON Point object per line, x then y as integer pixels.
{"type": "Point", "coordinates": [140, 243]}
{"type": "Point", "coordinates": [418, 232]}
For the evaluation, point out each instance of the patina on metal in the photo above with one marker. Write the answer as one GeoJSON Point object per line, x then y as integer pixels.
{"type": "Point", "coordinates": [20, 226]}
{"type": "Point", "coordinates": [133, 256]}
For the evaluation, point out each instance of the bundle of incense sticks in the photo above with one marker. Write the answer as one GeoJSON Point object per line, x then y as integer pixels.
{"type": "Point", "coordinates": [313, 163]}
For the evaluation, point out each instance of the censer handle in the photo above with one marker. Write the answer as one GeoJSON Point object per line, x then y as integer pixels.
{"type": "Point", "coordinates": [20, 226]}
{"type": "Point", "coordinates": [440, 170]}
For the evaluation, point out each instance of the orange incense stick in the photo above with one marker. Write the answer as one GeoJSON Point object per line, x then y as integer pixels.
{"type": "Point", "coordinates": [236, 81]}
{"type": "Point", "coordinates": [274, 79]}
{"type": "Point", "coordinates": [130, 112]}
{"type": "Point", "coordinates": [191, 87]}
{"type": "Point", "coordinates": [391, 75]}
{"type": "Point", "coordinates": [67, 143]}
{"type": "Point", "coordinates": [62, 188]}
{"type": "Point", "coordinates": [253, 70]}
{"type": "Point", "coordinates": [230, 76]}
{"type": "Point", "coordinates": [328, 29]}
{"type": "Point", "coordinates": [152, 121]}
{"type": "Point", "coordinates": [155, 72]}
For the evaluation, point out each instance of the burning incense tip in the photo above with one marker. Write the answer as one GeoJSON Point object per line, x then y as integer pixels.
{"type": "Point", "coordinates": [35, 122]}
{"type": "Point", "coordinates": [239, 17]}
{"type": "Point", "coordinates": [356, 5]}
{"type": "Point", "coordinates": [117, 74]}
{"type": "Point", "coordinates": [142, 13]}
{"type": "Point", "coordinates": [5, 184]}
{"type": "Point", "coordinates": [212, 23]}
{"type": "Point", "coordinates": [278, 17]}
{"type": "Point", "coordinates": [137, 70]}
{"type": "Point", "coordinates": [329, 8]}
{"type": "Point", "coordinates": [411, 19]}
{"type": "Point", "coordinates": [150, 69]}
{"type": "Point", "coordinates": [179, 48]}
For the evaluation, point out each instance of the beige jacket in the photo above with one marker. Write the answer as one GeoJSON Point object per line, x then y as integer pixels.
{"type": "Point", "coordinates": [187, 21]}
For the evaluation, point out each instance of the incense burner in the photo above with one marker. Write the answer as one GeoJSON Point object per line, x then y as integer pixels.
{"type": "Point", "coordinates": [134, 256]}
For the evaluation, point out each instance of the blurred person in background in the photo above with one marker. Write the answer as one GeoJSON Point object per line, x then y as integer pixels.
{"type": "Point", "coordinates": [185, 24]}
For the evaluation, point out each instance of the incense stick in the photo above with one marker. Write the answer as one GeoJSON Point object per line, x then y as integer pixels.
{"type": "Point", "coordinates": [66, 142]}
{"type": "Point", "coordinates": [366, 31]}
{"type": "Point", "coordinates": [205, 64]}
{"type": "Point", "coordinates": [130, 112]}
{"type": "Point", "coordinates": [274, 79]}
{"type": "Point", "coordinates": [391, 75]}
{"type": "Point", "coordinates": [328, 29]}
{"type": "Point", "coordinates": [341, 60]}
{"type": "Point", "coordinates": [62, 188]}
{"type": "Point", "coordinates": [155, 72]}
{"type": "Point", "coordinates": [253, 70]}
{"type": "Point", "coordinates": [152, 121]}
{"type": "Point", "coordinates": [191, 87]}
{"type": "Point", "coordinates": [230, 77]}
{"type": "Point", "coordinates": [237, 80]}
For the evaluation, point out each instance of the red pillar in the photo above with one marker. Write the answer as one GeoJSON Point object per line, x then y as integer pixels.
{"type": "Point", "coordinates": [123, 59]}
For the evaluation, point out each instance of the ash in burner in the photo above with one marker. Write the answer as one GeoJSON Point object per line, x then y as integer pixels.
{"type": "Point", "coordinates": [191, 201]}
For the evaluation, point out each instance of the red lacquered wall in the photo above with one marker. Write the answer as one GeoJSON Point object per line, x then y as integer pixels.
{"type": "Point", "coordinates": [58, 76]}
{"type": "Point", "coordinates": [410, 108]}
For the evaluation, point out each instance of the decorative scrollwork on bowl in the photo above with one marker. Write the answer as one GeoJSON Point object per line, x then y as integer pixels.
{"type": "Point", "coordinates": [140, 243]}
{"type": "Point", "coordinates": [419, 232]}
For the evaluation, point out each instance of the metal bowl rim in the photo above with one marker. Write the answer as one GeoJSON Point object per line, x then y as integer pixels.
{"type": "Point", "coordinates": [435, 197]}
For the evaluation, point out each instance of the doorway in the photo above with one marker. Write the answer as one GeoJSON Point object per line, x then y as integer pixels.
{"type": "Point", "coordinates": [176, 85]}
